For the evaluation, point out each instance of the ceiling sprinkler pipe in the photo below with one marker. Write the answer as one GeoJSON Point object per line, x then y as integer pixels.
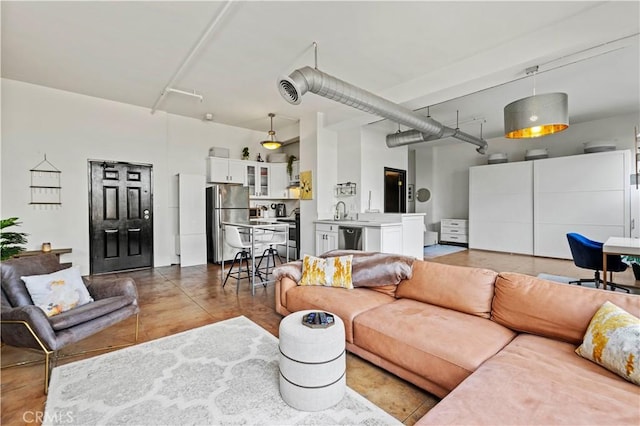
{"type": "Point", "coordinates": [308, 79]}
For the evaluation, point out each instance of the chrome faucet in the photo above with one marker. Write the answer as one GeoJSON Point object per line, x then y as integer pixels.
{"type": "Point", "coordinates": [342, 216]}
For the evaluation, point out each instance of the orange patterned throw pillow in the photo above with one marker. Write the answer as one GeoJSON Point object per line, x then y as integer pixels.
{"type": "Point", "coordinates": [612, 340]}
{"type": "Point", "coordinates": [329, 272]}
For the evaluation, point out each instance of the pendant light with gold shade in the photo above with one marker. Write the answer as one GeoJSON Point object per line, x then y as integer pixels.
{"type": "Point", "coordinates": [537, 115]}
{"type": "Point", "coordinates": [271, 143]}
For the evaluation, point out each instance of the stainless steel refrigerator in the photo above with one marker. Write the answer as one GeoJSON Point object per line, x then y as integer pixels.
{"type": "Point", "coordinates": [225, 203]}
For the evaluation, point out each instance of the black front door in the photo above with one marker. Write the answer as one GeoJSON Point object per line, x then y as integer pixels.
{"type": "Point", "coordinates": [120, 222]}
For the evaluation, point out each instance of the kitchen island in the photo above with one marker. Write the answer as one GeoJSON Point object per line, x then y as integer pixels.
{"type": "Point", "coordinates": [398, 233]}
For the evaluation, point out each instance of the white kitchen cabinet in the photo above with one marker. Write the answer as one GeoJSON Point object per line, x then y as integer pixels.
{"type": "Point", "coordinates": [257, 179]}
{"type": "Point", "coordinates": [326, 238]}
{"type": "Point", "coordinates": [385, 239]}
{"type": "Point", "coordinates": [224, 170]}
{"type": "Point", "coordinates": [279, 180]}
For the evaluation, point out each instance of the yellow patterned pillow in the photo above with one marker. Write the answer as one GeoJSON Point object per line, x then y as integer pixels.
{"type": "Point", "coordinates": [330, 272]}
{"type": "Point", "coordinates": [612, 340]}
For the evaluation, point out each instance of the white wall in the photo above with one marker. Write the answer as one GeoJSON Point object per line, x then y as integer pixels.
{"type": "Point", "coordinates": [375, 156]}
{"type": "Point", "coordinates": [350, 166]}
{"type": "Point", "coordinates": [318, 154]}
{"type": "Point", "coordinates": [444, 169]}
{"type": "Point", "coordinates": [72, 129]}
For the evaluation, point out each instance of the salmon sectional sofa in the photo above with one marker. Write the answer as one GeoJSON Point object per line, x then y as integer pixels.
{"type": "Point", "coordinates": [498, 348]}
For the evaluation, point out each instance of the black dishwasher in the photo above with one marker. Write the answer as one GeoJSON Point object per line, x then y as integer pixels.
{"type": "Point", "coordinates": [350, 237]}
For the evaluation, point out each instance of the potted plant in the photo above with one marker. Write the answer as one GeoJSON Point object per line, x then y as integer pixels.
{"type": "Point", "coordinates": [634, 261]}
{"type": "Point", "coordinates": [245, 153]}
{"type": "Point", "coordinates": [10, 242]}
{"type": "Point", "coordinates": [290, 161]}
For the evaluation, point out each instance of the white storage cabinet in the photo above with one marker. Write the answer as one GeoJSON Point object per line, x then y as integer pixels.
{"type": "Point", "coordinates": [501, 207]}
{"type": "Point", "coordinates": [192, 238]}
{"type": "Point", "coordinates": [454, 231]}
{"type": "Point", "coordinates": [529, 207]}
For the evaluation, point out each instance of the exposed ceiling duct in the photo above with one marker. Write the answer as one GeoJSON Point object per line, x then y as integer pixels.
{"type": "Point", "coordinates": [312, 80]}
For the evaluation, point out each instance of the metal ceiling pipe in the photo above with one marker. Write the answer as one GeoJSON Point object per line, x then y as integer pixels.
{"type": "Point", "coordinates": [415, 136]}
{"type": "Point", "coordinates": [308, 79]}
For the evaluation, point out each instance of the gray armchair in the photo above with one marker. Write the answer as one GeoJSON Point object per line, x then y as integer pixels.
{"type": "Point", "coordinates": [26, 325]}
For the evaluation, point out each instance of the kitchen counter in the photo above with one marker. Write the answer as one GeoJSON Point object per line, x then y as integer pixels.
{"type": "Point", "coordinates": [401, 233]}
{"type": "Point", "coordinates": [359, 223]}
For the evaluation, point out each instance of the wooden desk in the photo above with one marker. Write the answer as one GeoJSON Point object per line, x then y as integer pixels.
{"type": "Point", "coordinates": [57, 252]}
{"type": "Point", "coordinates": [618, 245]}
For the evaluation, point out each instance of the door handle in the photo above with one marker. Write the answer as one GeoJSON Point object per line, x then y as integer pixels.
{"type": "Point", "coordinates": [134, 230]}
{"type": "Point", "coordinates": [110, 231]}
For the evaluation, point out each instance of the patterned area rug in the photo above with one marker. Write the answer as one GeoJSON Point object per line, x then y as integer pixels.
{"type": "Point", "coordinates": [219, 374]}
{"type": "Point", "coordinates": [440, 250]}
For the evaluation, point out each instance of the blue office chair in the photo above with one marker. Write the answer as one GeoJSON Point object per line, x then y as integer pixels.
{"type": "Point", "coordinates": [588, 254]}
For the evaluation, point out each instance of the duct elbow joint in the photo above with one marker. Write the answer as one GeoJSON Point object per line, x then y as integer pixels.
{"type": "Point", "coordinates": [482, 149]}
{"type": "Point", "coordinates": [293, 86]}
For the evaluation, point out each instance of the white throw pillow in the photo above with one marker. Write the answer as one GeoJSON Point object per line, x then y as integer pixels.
{"type": "Point", "coordinates": [59, 291]}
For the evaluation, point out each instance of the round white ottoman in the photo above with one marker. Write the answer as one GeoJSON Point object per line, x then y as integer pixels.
{"type": "Point", "coordinates": [312, 363]}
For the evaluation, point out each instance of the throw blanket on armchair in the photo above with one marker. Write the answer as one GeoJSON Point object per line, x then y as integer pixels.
{"type": "Point", "coordinates": [368, 269]}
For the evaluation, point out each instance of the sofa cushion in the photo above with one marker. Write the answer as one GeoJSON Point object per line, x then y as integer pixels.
{"type": "Point", "coordinates": [347, 304]}
{"type": "Point", "coordinates": [442, 345]}
{"type": "Point", "coordinates": [538, 381]}
{"type": "Point", "coordinates": [612, 340]}
{"type": "Point", "coordinates": [462, 288]}
{"type": "Point", "coordinates": [560, 311]}
{"type": "Point", "coordinates": [91, 311]}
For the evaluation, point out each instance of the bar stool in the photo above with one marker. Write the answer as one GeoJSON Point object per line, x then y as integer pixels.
{"type": "Point", "coordinates": [233, 237]}
{"type": "Point", "coordinates": [271, 238]}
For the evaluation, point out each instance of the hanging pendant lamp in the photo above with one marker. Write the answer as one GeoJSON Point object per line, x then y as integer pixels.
{"type": "Point", "coordinates": [537, 115]}
{"type": "Point", "coordinates": [271, 143]}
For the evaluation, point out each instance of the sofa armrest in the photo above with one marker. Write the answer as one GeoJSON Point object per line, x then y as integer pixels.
{"type": "Point", "coordinates": [117, 287]}
{"type": "Point", "coordinates": [283, 285]}
{"type": "Point", "coordinates": [16, 334]}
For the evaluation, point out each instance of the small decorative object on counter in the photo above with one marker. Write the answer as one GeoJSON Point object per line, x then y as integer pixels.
{"type": "Point", "coordinates": [318, 320]}
{"type": "Point", "coordinates": [259, 159]}
{"type": "Point", "coordinates": [46, 247]}
{"type": "Point", "coordinates": [245, 153]}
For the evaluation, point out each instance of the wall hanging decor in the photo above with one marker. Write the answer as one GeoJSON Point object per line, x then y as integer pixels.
{"type": "Point", "coordinates": [45, 184]}
{"type": "Point", "coordinates": [306, 188]}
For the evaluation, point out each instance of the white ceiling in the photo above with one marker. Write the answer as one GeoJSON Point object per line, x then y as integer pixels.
{"type": "Point", "coordinates": [466, 56]}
